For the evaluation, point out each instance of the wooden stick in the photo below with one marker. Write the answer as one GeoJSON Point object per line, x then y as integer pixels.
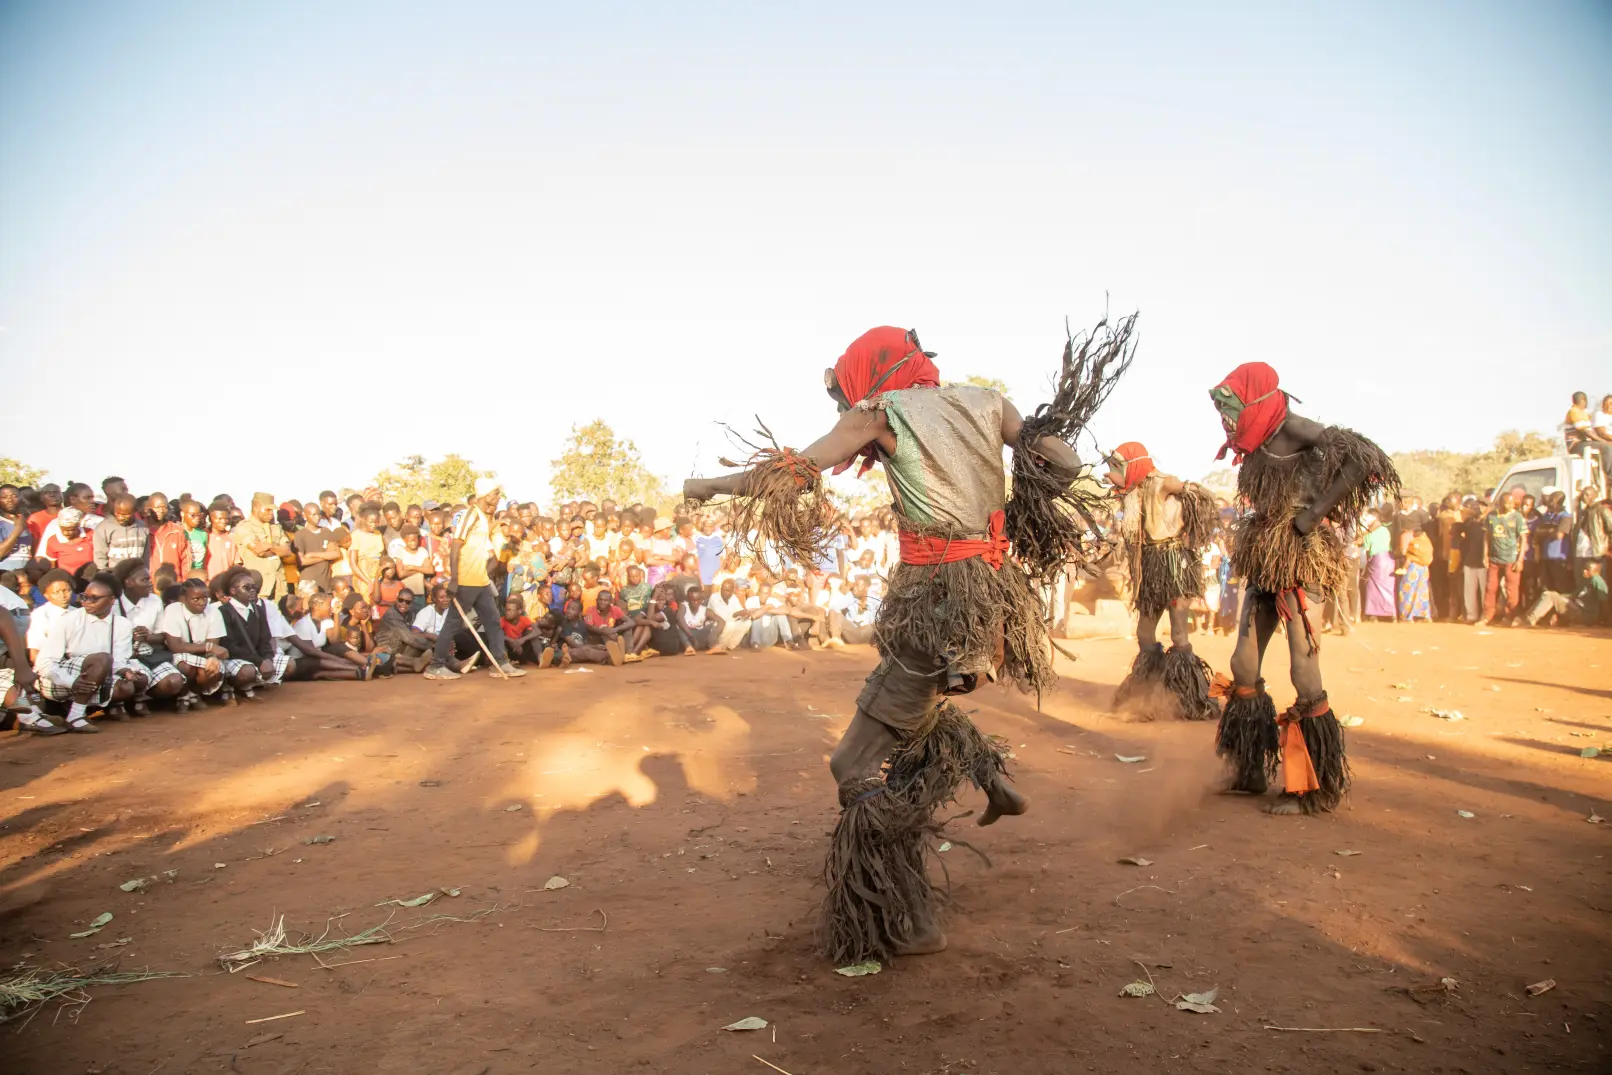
{"type": "Point", "coordinates": [1330, 1029]}
{"type": "Point", "coordinates": [274, 981]}
{"type": "Point", "coordinates": [272, 1018]}
{"type": "Point", "coordinates": [774, 1067]}
{"type": "Point", "coordinates": [577, 929]}
{"type": "Point", "coordinates": [492, 665]}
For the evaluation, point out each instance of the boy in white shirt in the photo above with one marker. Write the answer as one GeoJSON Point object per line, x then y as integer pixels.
{"type": "Point", "coordinates": [769, 625]}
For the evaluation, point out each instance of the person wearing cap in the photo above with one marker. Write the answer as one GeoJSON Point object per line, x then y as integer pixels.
{"type": "Point", "coordinates": [260, 541]}
{"type": "Point", "coordinates": [470, 584]}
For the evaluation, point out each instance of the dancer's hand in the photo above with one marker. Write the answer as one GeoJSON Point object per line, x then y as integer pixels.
{"type": "Point", "coordinates": [1304, 522]}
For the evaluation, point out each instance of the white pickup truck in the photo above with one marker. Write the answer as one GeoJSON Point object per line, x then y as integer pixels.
{"type": "Point", "coordinates": [1569, 472]}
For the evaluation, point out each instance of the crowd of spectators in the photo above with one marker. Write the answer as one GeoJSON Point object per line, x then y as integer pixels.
{"type": "Point", "coordinates": [120, 603]}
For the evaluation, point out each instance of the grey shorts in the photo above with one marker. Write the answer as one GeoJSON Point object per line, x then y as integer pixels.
{"type": "Point", "coordinates": [900, 692]}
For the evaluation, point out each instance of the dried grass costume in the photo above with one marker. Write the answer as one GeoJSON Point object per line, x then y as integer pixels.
{"type": "Point", "coordinates": [963, 606]}
{"type": "Point", "coordinates": [1288, 550]}
{"type": "Point", "coordinates": [1164, 534]}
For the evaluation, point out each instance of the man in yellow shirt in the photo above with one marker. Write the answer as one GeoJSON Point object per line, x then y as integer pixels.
{"type": "Point", "coordinates": [469, 554]}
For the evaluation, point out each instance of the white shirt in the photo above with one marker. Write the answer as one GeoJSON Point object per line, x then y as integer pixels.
{"type": "Point", "coordinates": [39, 624]}
{"type": "Point", "coordinates": [146, 612]}
{"type": "Point", "coordinates": [187, 626]}
{"type": "Point", "coordinates": [1603, 421]}
{"type": "Point", "coordinates": [430, 620]}
{"type": "Point", "coordinates": [10, 602]}
{"type": "Point", "coordinates": [692, 619]}
{"type": "Point", "coordinates": [726, 607]}
{"type": "Point", "coordinates": [307, 630]}
{"type": "Point", "coordinates": [77, 634]}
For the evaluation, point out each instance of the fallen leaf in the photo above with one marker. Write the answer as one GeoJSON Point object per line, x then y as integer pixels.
{"type": "Point", "coordinates": [1136, 860]}
{"type": "Point", "coordinates": [1465, 813]}
{"type": "Point", "coordinates": [1352, 722]}
{"type": "Point", "coordinates": [946, 845]}
{"type": "Point", "coordinates": [133, 886]}
{"type": "Point", "coordinates": [96, 926]}
{"type": "Point", "coordinates": [1594, 818]}
{"type": "Point", "coordinates": [1346, 854]}
{"type": "Point", "coordinates": [1202, 1003]}
{"type": "Point", "coordinates": [514, 808]}
{"type": "Point", "coordinates": [750, 1023]}
{"type": "Point", "coordinates": [273, 981]}
{"type": "Point", "coordinates": [320, 839]}
{"type": "Point", "coordinates": [1131, 761]}
{"type": "Point", "coordinates": [1590, 752]}
{"type": "Point", "coordinates": [555, 882]}
{"type": "Point", "coordinates": [716, 970]}
{"type": "Point", "coordinates": [1542, 987]}
{"type": "Point", "coordinates": [857, 970]}
{"type": "Point", "coordinates": [430, 783]}
{"type": "Point", "coordinates": [1426, 994]}
{"type": "Point", "coordinates": [119, 943]}
{"type": "Point", "coordinates": [220, 865]}
{"type": "Point", "coordinates": [1400, 686]}
{"type": "Point", "coordinates": [1137, 989]}
{"type": "Point", "coordinates": [418, 901]}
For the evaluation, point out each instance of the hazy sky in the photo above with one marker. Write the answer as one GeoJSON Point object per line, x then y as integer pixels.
{"type": "Point", "coordinates": [282, 245]}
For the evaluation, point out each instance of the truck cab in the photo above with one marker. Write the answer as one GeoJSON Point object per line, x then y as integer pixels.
{"type": "Point", "coordinates": [1569, 471]}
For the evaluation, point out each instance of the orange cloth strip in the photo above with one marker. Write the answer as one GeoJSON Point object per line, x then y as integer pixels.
{"type": "Point", "coordinates": [1298, 771]}
{"type": "Point", "coordinates": [928, 551]}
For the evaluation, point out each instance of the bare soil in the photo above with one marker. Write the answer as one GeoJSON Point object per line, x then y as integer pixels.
{"type": "Point", "coordinates": [686, 801]}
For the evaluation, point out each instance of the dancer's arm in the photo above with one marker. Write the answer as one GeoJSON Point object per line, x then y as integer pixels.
{"type": "Point", "coordinates": [1061, 457]}
{"type": "Point", "coordinates": [1305, 433]}
{"type": "Point", "coordinates": [855, 430]}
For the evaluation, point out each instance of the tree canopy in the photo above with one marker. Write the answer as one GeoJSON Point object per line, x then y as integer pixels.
{"type": "Point", "coordinates": [598, 465]}
{"type": "Point", "coordinates": [414, 481]}
{"type": "Point", "coordinates": [15, 472]}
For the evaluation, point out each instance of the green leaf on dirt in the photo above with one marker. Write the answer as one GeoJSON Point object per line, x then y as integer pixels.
{"type": "Point", "coordinates": [134, 886]}
{"type": "Point", "coordinates": [1135, 860]}
{"type": "Point", "coordinates": [1465, 813]}
{"type": "Point", "coordinates": [96, 926]}
{"type": "Point", "coordinates": [1590, 752]}
{"type": "Point", "coordinates": [945, 845]}
{"type": "Point", "coordinates": [1202, 1003]}
{"type": "Point", "coordinates": [1131, 761]}
{"type": "Point", "coordinates": [320, 839]}
{"type": "Point", "coordinates": [119, 943]}
{"type": "Point", "coordinates": [555, 882]}
{"type": "Point", "coordinates": [1137, 989]}
{"type": "Point", "coordinates": [857, 970]}
{"type": "Point", "coordinates": [750, 1023]}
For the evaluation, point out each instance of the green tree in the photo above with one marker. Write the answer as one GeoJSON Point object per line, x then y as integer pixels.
{"type": "Point", "coordinates": [14, 472]}
{"type": "Point", "coordinates": [1432, 473]}
{"type": "Point", "coordinates": [414, 481]}
{"type": "Point", "coordinates": [598, 465]}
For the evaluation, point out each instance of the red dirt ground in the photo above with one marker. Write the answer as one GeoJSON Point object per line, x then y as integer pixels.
{"type": "Point", "coordinates": [688, 801]}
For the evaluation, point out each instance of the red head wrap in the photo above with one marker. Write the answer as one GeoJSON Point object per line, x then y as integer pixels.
{"type": "Point", "coordinates": [882, 360]}
{"type": "Point", "coordinates": [1264, 407]}
{"type": "Point", "coordinates": [1137, 464]}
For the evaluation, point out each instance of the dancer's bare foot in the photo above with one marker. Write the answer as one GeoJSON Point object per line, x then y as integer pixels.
{"type": "Point", "coordinates": [1002, 800]}
{"type": "Point", "coordinates": [1254, 785]}
{"type": "Point", "coordinates": [926, 943]}
{"type": "Point", "coordinates": [1287, 806]}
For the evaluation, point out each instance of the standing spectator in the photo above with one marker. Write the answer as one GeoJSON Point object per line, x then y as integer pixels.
{"type": "Point", "coordinates": [1506, 532]}
{"type": "Point", "coordinates": [220, 541]}
{"type": "Point", "coordinates": [1551, 537]}
{"type": "Point", "coordinates": [1472, 538]}
{"type": "Point", "coordinates": [1415, 598]}
{"type": "Point", "coordinates": [1343, 607]}
{"type": "Point", "coordinates": [413, 560]}
{"type": "Point", "coordinates": [168, 543]}
{"type": "Point", "coordinates": [1377, 554]}
{"type": "Point", "coordinates": [50, 495]}
{"type": "Point", "coordinates": [16, 543]}
{"type": "Point", "coordinates": [367, 550]}
{"type": "Point", "coordinates": [1592, 530]}
{"type": "Point", "coordinates": [1449, 553]}
{"type": "Point", "coordinates": [329, 511]}
{"type": "Point", "coordinates": [193, 521]}
{"type": "Point", "coordinates": [67, 544]}
{"type": "Point", "coordinates": [123, 537]}
{"type": "Point", "coordinates": [260, 542]}
{"type": "Point", "coordinates": [708, 546]}
{"type": "Point", "coordinates": [111, 488]}
{"type": "Point", "coordinates": [81, 498]}
{"type": "Point", "coordinates": [470, 584]}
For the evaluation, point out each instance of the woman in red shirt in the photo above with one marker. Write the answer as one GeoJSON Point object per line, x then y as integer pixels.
{"type": "Point", "coordinates": [74, 547]}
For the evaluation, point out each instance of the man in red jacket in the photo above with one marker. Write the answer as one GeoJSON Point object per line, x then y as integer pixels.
{"type": "Point", "coordinates": [169, 543]}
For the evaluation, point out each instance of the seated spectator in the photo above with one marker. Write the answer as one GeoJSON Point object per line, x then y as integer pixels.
{"type": "Point", "coordinates": [1581, 430]}
{"type": "Point", "coordinates": [1585, 608]}
{"type": "Point", "coordinates": [356, 628]}
{"type": "Point", "coordinates": [194, 634]}
{"type": "Point", "coordinates": [17, 676]}
{"type": "Point", "coordinates": [387, 588]}
{"type": "Point", "coordinates": [55, 587]}
{"type": "Point", "coordinates": [433, 618]}
{"type": "Point", "coordinates": [306, 645]}
{"type": "Point", "coordinates": [251, 628]}
{"type": "Point", "coordinates": [574, 642]}
{"type": "Point", "coordinates": [769, 624]}
{"type": "Point", "coordinates": [700, 625]}
{"type": "Point", "coordinates": [87, 659]}
{"type": "Point", "coordinates": [135, 602]}
{"type": "Point", "coordinates": [528, 573]}
{"type": "Point", "coordinates": [591, 586]}
{"type": "Point", "coordinates": [122, 537]}
{"type": "Point", "coordinates": [728, 606]}
{"type": "Point", "coordinates": [662, 622]}
{"type": "Point", "coordinates": [850, 620]}
{"type": "Point", "coordinates": [522, 638]}
{"type": "Point", "coordinates": [396, 635]}
{"type": "Point", "coordinates": [810, 622]}
{"type": "Point", "coordinates": [865, 568]}
{"type": "Point", "coordinates": [67, 544]}
{"type": "Point", "coordinates": [733, 569]}
{"type": "Point", "coordinates": [607, 623]}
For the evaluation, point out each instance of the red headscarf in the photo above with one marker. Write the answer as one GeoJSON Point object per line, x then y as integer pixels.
{"type": "Point", "coordinates": [1138, 464]}
{"type": "Point", "coordinates": [1264, 408]}
{"type": "Point", "coordinates": [873, 365]}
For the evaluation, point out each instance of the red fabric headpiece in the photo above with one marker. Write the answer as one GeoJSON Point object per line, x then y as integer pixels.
{"type": "Point", "coordinates": [1138, 464]}
{"type": "Point", "coordinates": [1264, 408]}
{"type": "Point", "coordinates": [865, 370]}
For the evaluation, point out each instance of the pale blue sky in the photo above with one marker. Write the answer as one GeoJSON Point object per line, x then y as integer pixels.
{"type": "Point", "coordinates": [276, 226]}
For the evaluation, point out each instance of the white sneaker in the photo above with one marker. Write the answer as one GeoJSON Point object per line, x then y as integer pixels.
{"type": "Point", "coordinates": [440, 671]}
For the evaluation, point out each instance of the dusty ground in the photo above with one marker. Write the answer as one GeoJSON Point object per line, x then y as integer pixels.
{"type": "Point", "coordinates": [688, 801]}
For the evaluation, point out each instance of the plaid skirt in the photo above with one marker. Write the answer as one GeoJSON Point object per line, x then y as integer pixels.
{"type": "Point", "coordinates": [197, 660]}
{"type": "Point", "coordinates": [56, 683]}
{"type": "Point", "coordinates": [156, 673]}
